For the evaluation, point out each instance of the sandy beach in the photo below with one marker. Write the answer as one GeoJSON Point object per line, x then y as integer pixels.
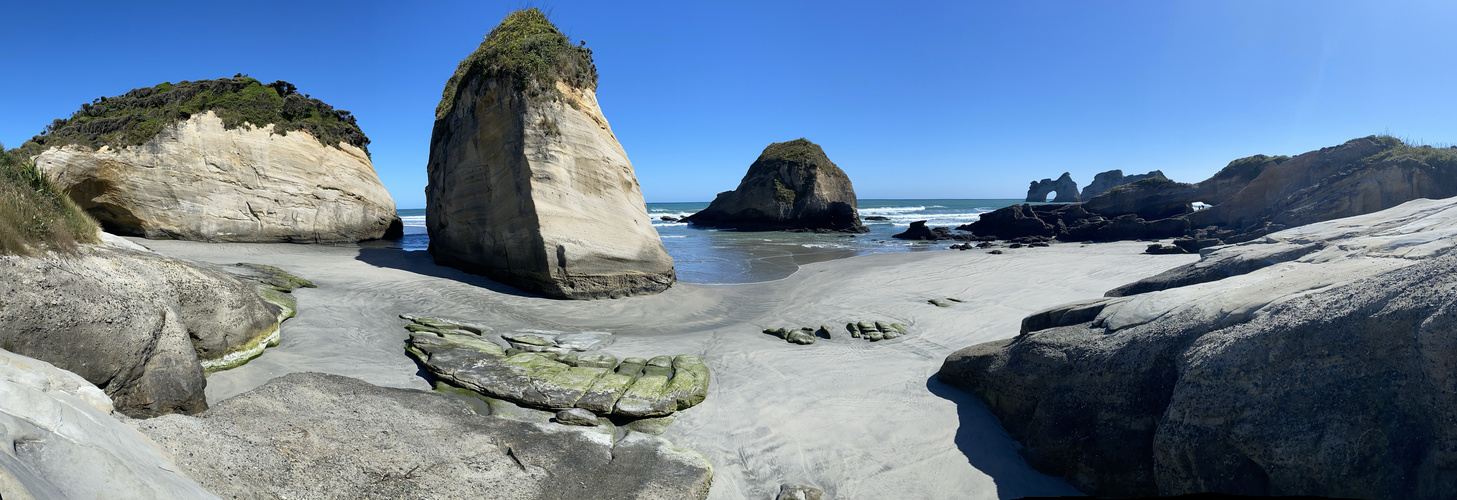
{"type": "Point", "coordinates": [854, 418]}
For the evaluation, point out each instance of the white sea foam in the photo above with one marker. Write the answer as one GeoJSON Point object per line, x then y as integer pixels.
{"type": "Point", "coordinates": [413, 220]}
{"type": "Point", "coordinates": [890, 210]}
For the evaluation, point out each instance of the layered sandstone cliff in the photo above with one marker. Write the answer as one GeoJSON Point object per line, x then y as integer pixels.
{"type": "Point", "coordinates": [528, 184]}
{"type": "Point", "coordinates": [199, 180]}
{"type": "Point", "coordinates": [792, 185]}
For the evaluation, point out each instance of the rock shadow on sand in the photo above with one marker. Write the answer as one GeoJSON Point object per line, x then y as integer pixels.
{"type": "Point", "coordinates": [990, 450]}
{"type": "Point", "coordinates": [423, 263]}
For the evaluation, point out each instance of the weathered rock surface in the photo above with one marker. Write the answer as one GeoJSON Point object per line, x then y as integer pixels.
{"type": "Point", "coordinates": [799, 492]}
{"type": "Point", "coordinates": [1067, 190]}
{"type": "Point", "coordinates": [536, 192]}
{"type": "Point", "coordinates": [1249, 198]}
{"type": "Point", "coordinates": [198, 181]}
{"type": "Point", "coordinates": [141, 326]}
{"type": "Point", "coordinates": [58, 440]}
{"type": "Point", "coordinates": [635, 388]}
{"type": "Point", "coordinates": [1313, 361]}
{"type": "Point", "coordinates": [792, 185]}
{"type": "Point", "coordinates": [310, 435]}
{"type": "Point", "coordinates": [1104, 181]}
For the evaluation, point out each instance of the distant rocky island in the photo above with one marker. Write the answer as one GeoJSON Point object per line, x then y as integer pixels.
{"type": "Point", "coordinates": [1249, 198]}
{"type": "Point", "coordinates": [528, 185]}
{"type": "Point", "coordinates": [793, 185]}
{"type": "Point", "coordinates": [226, 160]}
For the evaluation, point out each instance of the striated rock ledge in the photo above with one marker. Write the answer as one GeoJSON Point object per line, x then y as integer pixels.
{"type": "Point", "coordinates": [197, 180]}
{"type": "Point", "coordinates": [60, 441]}
{"type": "Point", "coordinates": [1313, 361]}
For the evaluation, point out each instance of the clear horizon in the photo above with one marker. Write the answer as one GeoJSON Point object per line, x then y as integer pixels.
{"type": "Point", "coordinates": [942, 101]}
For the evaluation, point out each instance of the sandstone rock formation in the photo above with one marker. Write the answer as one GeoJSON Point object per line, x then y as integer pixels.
{"type": "Point", "coordinates": [205, 179]}
{"type": "Point", "coordinates": [310, 435]}
{"type": "Point", "coordinates": [1104, 181]}
{"type": "Point", "coordinates": [635, 388]}
{"type": "Point", "coordinates": [1313, 361]}
{"type": "Point", "coordinates": [792, 185]}
{"type": "Point", "coordinates": [1249, 198]}
{"type": "Point", "coordinates": [1067, 190]}
{"type": "Point", "coordinates": [528, 185]}
{"type": "Point", "coordinates": [141, 326]}
{"type": "Point", "coordinates": [60, 441]}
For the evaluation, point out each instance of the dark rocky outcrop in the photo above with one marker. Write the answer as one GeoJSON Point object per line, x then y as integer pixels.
{"type": "Point", "coordinates": [792, 185]}
{"type": "Point", "coordinates": [311, 435]}
{"type": "Point", "coordinates": [919, 231]}
{"type": "Point", "coordinates": [528, 184]}
{"type": "Point", "coordinates": [1313, 361]}
{"type": "Point", "coordinates": [1249, 198]}
{"type": "Point", "coordinates": [1067, 190]}
{"type": "Point", "coordinates": [1114, 178]}
{"type": "Point", "coordinates": [141, 326]}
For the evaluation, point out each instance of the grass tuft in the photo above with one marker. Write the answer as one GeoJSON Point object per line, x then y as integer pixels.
{"type": "Point", "coordinates": [34, 216]}
{"type": "Point", "coordinates": [136, 117]}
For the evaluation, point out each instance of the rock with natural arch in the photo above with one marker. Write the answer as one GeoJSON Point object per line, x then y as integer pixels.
{"type": "Point", "coordinates": [1066, 189]}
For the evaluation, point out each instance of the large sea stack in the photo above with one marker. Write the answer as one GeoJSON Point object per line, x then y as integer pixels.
{"type": "Point", "coordinates": [528, 185]}
{"type": "Point", "coordinates": [227, 160]}
{"type": "Point", "coordinates": [792, 185]}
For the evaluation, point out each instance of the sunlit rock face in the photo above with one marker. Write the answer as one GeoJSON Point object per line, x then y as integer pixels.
{"type": "Point", "coordinates": [198, 180]}
{"type": "Point", "coordinates": [530, 187]}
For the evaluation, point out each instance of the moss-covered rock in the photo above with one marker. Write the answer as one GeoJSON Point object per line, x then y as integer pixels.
{"type": "Point", "coordinates": [133, 118]}
{"type": "Point", "coordinates": [531, 52]}
{"type": "Point", "coordinates": [689, 385]}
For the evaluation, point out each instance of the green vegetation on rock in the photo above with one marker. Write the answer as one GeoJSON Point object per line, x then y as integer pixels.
{"type": "Point", "coordinates": [34, 216]}
{"type": "Point", "coordinates": [527, 49]}
{"type": "Point", "coordinates": [782, 193]}
{"type": "Point", "coordinates": [136, 117]}
{"type": "Point", "coordinates": [800, 150]}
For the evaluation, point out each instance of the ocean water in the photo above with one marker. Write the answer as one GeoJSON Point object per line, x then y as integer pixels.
{"type": "Point", "coordinates": [726, 256]}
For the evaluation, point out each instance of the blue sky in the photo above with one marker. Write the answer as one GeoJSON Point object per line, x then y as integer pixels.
{"type": "Point", "coordinates": [926, 100]}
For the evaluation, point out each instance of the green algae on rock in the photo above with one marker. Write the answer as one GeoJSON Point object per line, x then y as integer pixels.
{"type": "Point", "coordinates": [635, 388]}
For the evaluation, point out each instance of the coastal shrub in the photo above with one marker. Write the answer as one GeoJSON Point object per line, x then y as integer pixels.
{"type": "Point", "coordinates": [530, 52]}
{"type": "Point", "coordinates": [34, 216]}
{"type": "Point", "coordinates": [782, 193]}
{"type": "Point", "coordinates": [1441, 160]}
{"type": "Point", "coordinates": [136, 117]}
{"type": "Point", "coordinates": [800, 150]}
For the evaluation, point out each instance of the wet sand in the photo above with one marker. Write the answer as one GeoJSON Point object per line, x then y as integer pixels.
{"type": "Point", "coordinates": [854, 418]}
